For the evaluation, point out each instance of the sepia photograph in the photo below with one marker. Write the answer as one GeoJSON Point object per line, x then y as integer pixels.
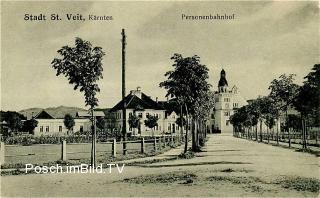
{"type": "Point", "coordinates": [165, 98]}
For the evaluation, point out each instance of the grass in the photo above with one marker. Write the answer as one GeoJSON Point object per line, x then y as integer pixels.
{"type": "Point", "coordinates": [100, 160]}
{"type": "Point", "coordinates": [300, 184]}
{"type": "Point", "coordinates": [167, 178]}
{"type": "Point", "coordinates": [234, 179]}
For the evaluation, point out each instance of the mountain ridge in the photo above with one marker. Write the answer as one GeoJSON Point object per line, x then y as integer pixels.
{"type": "Point", "coordinates": [56, 112]}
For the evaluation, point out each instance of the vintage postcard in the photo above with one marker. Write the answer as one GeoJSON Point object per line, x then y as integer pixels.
{"type": "Point", "coordinates": [160, 99]}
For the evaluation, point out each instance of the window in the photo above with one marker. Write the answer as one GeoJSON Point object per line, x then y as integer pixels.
{"type": "Point", "coordinates": [130, 128]}
{"type": "Point", "coordinates": [169, 127]}
{"type": "Point", "coordinates": [147, 115]}
{"type": "Point", "coordinates": [226, 113]}
{"type": "Point", "coordinates": [41, 128]}
{"type": "Point", "coordinates": [60, 128]}
{"type": "Point", "coordinates": [217, 100]}
{"type": "Point", "coordinates": [227, 122]}
{"type": "Point", "coordinates": [227, 99]}
{"type": "Point", "coordinates": [212, 116]}
{"type": "Point", "coordinates": [235, 105]}
{"type": "Point", "coordinates": [227, 105]}
{"type": "Point", "coordinates": [47, 128]}
{"type": "Point", "coordinates": [140, 115]}
{"type": "Point", "coordinates": [81, 128]}
{"type": "Point", "coordinates": [130, 115]}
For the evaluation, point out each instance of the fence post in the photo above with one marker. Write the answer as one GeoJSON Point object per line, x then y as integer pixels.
{"type": "Point", "coordinates": [64, 150]}
{"type": "Point", "coordinates": [289, 137]}
{"type": "Point", "coordinates": [2, 149]}
{"type": "Point", "coordinates": [142, 145]}
{"type": "Point", "coordinates": [155, 144]}
{"type": "Point", "coordinates": [114, 148]}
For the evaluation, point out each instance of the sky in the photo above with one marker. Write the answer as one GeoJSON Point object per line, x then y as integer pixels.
{"type": "Point", "coordinates": [265, 40]}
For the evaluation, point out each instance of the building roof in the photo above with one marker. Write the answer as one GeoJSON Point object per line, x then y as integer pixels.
{"type": "Point", "coordinates": [44, 115]}
{"type": "Point", "coordinates": [87, 114]}
{"type": "Point", "coordinates": [134, 102]}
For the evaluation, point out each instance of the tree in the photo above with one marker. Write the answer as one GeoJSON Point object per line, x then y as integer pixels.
{"type": "Point", "coordinates": [283, 92]}
{"type": "Point", "coordinates": [101, 123]}
{"type": "Point", "coordinates": [82, 65]}
{"type": "Point", "coordinates": [187, 83]}
{"type": "Point", "coordinates": [151, 122]}
{"type": "Point", "coordinates": [68, 122]}
{"type": "Point", "coordinates": [134, 121]}
{"type": "Point", "coordinates": [30, 125]}
{"type": "Point", "coordinates": [307, 101]}
{"type": "Point", "coordinates": [14, 122]}
{"type": "Point", "coordinates": [181, 121]}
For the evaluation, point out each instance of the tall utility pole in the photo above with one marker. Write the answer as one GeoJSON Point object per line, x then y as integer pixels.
{"type": "Point", "coordinates": [124, 113]}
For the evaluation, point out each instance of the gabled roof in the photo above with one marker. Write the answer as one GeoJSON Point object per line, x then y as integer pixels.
{"type": "Point", "coordinates": [134, 102]}
{"type": "Point", "coordinates": [43, 115]}
{"type": "Point", "coordinates": [87, 114]}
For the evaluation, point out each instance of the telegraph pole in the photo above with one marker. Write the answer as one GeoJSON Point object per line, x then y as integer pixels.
{"type": "Point", "coordinates": [124, 113]}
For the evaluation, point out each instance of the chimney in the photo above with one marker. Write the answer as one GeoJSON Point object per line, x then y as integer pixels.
{"type": "Point", "coordinates": [136, 92]}
{"type": "Point", "coordinates": [157, 99]}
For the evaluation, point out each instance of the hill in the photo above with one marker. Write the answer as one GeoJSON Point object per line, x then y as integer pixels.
{"type": "Point", "coordinates": [57, 112]}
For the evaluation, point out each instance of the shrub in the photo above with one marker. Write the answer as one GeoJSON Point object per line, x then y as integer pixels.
{"type": "Point", "coordinates": [188, 155]}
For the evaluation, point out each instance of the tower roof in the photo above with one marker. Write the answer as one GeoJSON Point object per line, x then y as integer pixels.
{"type": "Point", "coordinates": [223, 81]}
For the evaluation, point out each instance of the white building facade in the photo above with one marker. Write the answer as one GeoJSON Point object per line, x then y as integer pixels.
{"type": "Point", "coordinates": [227, 101]}
{"type": "Point", "coordinates": [48, 125]}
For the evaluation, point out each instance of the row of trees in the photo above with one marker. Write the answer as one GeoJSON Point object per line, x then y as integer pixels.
{"type": "Point", "coordinates": [284, 93]}
{"type": "Point", "coordinates": [187, 85]}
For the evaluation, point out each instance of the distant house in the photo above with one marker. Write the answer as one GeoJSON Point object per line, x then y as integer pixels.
{"type": "Point", "coordinates": [142, 106]}
{"type": "Point", "coordinates": [49, 125]}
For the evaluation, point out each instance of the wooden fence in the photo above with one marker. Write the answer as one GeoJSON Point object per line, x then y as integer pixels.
{"type": "Point", "coordinates": [303, 139]}
{"type": "Point", "coordinates": [43, 153]}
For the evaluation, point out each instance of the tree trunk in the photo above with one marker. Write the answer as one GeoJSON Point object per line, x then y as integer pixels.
{"type": "Point", "coordinates": [187, 130]}
{"type": "Point", "coordinates": [260, 130]}
{"type": "Point", "coordinates": [288, 130]}
{"type": "Point", "coordinates": [277, 131]}
{"type": "Point", "coordinates": [93, 146]}
{"type": "Point", "coordinates": [193, 134]}
{"type": "Point", "coordinates": [181, 123]}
